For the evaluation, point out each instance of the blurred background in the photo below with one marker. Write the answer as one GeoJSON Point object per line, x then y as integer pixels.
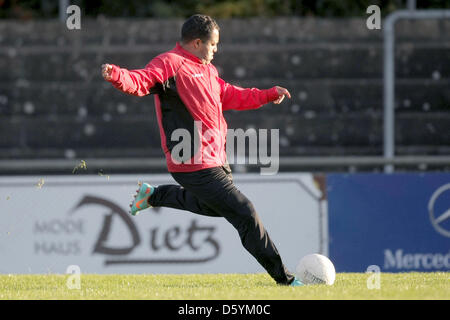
{"type": "Point", "coordinates": [55, 108]}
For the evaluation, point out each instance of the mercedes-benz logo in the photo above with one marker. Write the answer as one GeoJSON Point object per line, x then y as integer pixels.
{"type": "Point", "coordinates": [438, 218]}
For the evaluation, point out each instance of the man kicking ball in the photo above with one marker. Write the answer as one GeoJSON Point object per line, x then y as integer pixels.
{"type": "Point", "coordinates": [188, 91]}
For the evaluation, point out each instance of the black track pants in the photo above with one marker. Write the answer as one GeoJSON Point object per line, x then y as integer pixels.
{"type": "Point", "coordinates": [211, 192]}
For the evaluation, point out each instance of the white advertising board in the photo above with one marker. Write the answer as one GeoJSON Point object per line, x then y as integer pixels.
{"type": "Point", "coordinates": [48, 223]}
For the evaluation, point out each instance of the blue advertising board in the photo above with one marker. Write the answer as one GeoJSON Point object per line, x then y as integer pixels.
{"type": "Point", "coordinates": [398, 222]}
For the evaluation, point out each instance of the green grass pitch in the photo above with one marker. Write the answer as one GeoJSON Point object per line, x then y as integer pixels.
{"type": "Point", "coordinates": [348, 286]}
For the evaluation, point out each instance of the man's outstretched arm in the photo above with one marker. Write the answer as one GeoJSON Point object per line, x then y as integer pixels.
{"type": "Point", "coordinates": [237, 98]}
{"type": "Point", "coordinates": [135, 82]}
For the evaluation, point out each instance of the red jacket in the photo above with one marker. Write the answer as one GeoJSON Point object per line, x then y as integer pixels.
{"type": "Point", "coordinates": [187, 92]}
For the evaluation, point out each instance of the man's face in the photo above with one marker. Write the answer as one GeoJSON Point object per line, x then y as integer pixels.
{"type": "Point", "coordinates": [207, 49]}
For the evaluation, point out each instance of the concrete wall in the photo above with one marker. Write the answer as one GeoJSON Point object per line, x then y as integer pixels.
{"type": "Point", "coordinates": [54, 103]}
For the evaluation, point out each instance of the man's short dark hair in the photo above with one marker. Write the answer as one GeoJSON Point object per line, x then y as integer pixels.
{"type": "Point", "coordinates": [198, 26]}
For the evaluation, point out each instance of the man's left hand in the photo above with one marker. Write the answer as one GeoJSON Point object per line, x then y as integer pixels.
{"type": "Point", "coordinates": [282, 92]}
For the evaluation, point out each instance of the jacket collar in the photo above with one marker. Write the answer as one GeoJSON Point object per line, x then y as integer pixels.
{"type": "Point", "coordinates": [187, 54]}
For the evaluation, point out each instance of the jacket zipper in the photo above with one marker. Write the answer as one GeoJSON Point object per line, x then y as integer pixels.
{"type": "Point", "coordinates": [218, 117]}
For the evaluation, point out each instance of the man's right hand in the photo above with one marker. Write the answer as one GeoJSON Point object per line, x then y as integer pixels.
{"type": "Point", "coordinates": [106, 71]}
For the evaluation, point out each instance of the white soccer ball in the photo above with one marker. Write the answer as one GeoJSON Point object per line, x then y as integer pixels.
{"type": "Point", "coordinates": [316, 269]}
